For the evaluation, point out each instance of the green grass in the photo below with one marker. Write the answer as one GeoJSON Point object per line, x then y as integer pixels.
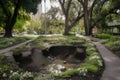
{"type": "Point", "coordinates": [56, 40]}
{"type": "Point", "coordinates": [110, 41]}
{"type": "Point", "coordinates": [7, 42]}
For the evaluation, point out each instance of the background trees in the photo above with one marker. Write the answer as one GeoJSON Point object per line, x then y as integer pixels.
{"type": "Point", "coordinates": [92, 12]}
{"type": "Point", "coordinates": [89, 7]}
{"type": "Point", "coordinates": [11, 9]}
{"type": "Point", "coordinates": [72, 13]}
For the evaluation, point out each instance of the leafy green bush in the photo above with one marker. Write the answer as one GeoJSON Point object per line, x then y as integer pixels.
{"type": "Point", "coordinates": [114, 46]}
{"type": "Point", "coordinates": [7, 42]}
{"type": "Point", "coordinates": [14, 76]}
{"type": "Point", "coordinates": [69, 73]}
{"type": "Point", "coordinates": [102, 36]}
{"type": "Point", "coordinates": [88, 44]}
{"type": "Point", "coordinates": [90, 67]}
{"type": "Point", "coordinates": [20, 49]}
{"type": "Point", "coordinates": [110, 41]}
{"type": "Point", "coordinates": [4, 64]}
{"type": "Point", "coordinates": [20, 75]}
{"type": "Point", "coordinates": [45, 77]}
{"type": "Point", "coordinates": [90, 50]}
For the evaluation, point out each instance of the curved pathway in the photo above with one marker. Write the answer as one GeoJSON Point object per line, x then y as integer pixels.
{"type": "Point", "coordinates": [15, 46]}
{"type": "Point", "coordinates": [112, 62]}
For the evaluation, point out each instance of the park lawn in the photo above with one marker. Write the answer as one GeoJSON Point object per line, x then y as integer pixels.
{"type": "Point", "coordinates": [56, 40]}
{"type": "Point", "coordinates": [7, 42]}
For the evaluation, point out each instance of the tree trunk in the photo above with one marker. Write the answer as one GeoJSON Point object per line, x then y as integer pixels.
{"type": "Point", "coordinates": [90, 31]}
{"type": "Point", "coordinates": [66, 29]}
{"type": "Point", "coordinates": [8, 32]}
{"type": "Point", "coordinates": [11, 21]}
{"type": "Point", "coordinates": [66, 32]}
{"type": "Point", "coordinates": [86, 18]}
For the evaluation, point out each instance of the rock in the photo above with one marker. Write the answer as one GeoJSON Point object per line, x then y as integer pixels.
{"type": "Point", "coordinates": [26, 53]}
{"type": "Point", "coordinates": [60, 67]}
{"type": "Point", "coordinates": [4, 75]}
{"type": "Point", "coordinates": [64, 62]}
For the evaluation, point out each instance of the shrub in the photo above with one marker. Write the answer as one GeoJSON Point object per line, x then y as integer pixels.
{"type": "Point", "coordinates": [45, 77]}
{"type": "Point", "coordinates": [17, 75]}
{"type": "Point", "coordinates": [90, 50]}
{"type": "Point", "coordinates": [104, 41]}
{"type": "Point", "coordinates": [90, 67]}
{"type": "Point", "coordinates": [102, 36]}
{"type": "Point", "coordinates": [88, 45]}
{"type": "Point", "coordinates": [20, 49]}
{"type": "Point", "coordinates": [14, 76]}
{"type": "Point", "coordinates": [4, 64]}
{"type": "Point", "coordinates": [69, 73]}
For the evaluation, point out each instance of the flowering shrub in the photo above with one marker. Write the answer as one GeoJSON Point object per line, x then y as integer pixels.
{"type": "Point", "coordinates": [20, 75]}
{"type": "Point", "coordinates": [14, 76]}
{"type": "Point", "coordinates": [82, 71]}
{"type": "Point", "coordinates": [110, 41]}
{"type": "Point", "coordinates": [45, 77]}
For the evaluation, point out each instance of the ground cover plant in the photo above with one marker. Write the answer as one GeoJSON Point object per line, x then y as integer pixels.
{"type": "Point", "coordinates": [110, 41]}
{"type": "Point", "coordinates": [7, 42]}
{"type": "Point", "coordinates": [89, 68]}
{"type": "Point", "coordinates": [10, 71]}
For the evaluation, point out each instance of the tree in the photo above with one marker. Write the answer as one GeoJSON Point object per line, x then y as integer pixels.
{"type": "Point", "coordinates": [11, 10]}
{"type": "Point", "coordinates": [54, 20]}
{"type": "Point", "coordinates": [67, 6]}
{"type": "Point", "coordinates": [94, 11]}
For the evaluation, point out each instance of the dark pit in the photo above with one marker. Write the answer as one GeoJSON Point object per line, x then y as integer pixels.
{"type": "Point", "coordinates": [55, 59]}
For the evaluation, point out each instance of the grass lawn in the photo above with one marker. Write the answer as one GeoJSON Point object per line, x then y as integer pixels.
{"type": "Point", "coordinates": [7, 42]}
{"type": "Point", "coordinates": [111, 42]}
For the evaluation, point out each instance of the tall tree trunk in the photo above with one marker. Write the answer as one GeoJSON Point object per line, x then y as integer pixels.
{"type": "Point", "coordinates": [8, 32]}
{"type": "Point", "coordinates": [86, 18]}
{"type": "Point", "coordinates": [10, 22]}
{"type": "Point", "coordinates": [66, 29]}
{"type": "Point", "coordinates": [90, 30]}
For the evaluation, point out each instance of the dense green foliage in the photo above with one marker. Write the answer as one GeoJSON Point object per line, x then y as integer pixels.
{"type": "Point", "coordinates": [111, 41]}
{"type": "Point", "coordinates": [16, 10]}
{"type": "Point", "coordinates": [7, 42]}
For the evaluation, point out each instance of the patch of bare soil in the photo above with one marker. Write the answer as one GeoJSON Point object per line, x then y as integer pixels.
{"type": "Point", "coordinates": [42, 60]}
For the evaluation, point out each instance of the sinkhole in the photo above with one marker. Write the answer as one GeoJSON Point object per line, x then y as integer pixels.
{"type": "Point", "coordinates": [55, 59]}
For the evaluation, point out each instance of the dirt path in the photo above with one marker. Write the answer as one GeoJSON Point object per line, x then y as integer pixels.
{"type": "Point", "coordinates": [112, 62]}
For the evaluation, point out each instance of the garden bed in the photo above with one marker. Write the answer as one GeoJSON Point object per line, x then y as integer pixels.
{"type": "Point", "coordinates": [8, 42]}
{"type": "Point", "coordinates": [111, 42]}
{"type": "Point", "coordinates": [60, 58]}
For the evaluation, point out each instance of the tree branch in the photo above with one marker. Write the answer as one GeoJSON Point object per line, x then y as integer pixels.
{"type": "Point", "coordinates": [105, 14]}
{"type": "Point", "coordinates": [68, 5]}
{"type": "Point", "coordinates": [5, 10]}
{"type": "Point", "coordinates": [81, 1]}
{"type": "Point", "coordinates": [62, 6]}
{"type": "Point", "coordinates": [76, 20]}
